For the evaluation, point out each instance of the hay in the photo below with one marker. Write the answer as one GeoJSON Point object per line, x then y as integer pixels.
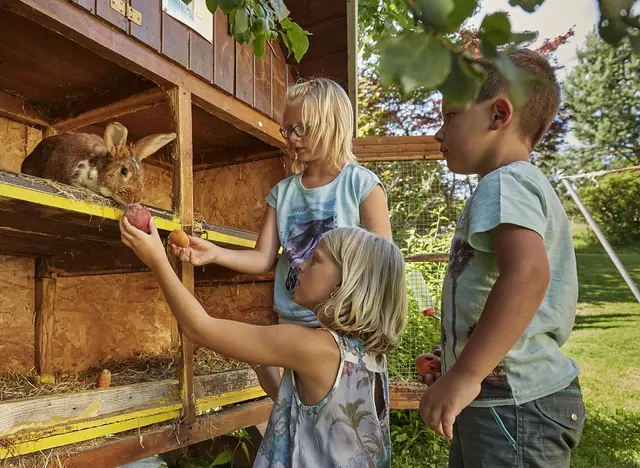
{"type": "Point", "coordinates": [138, 368]}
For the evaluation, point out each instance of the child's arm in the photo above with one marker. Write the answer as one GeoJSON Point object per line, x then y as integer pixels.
{"type": "Point", "coordinates": [257, 260]}
{"type": "Point", "coordinates": [374, 213]}
{"type": "Point", "coordinates": [513, 302]}
{"type": "Point", "coordinates": [288, 346]}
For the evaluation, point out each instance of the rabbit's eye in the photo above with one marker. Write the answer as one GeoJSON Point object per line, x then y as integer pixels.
{"type": "Point", "coordinates": [124, 171]}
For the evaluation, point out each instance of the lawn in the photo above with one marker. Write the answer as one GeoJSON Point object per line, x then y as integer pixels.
{"type": "Point", "coordinates": [606, 344]}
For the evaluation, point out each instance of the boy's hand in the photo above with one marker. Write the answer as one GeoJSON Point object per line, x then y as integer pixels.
{"type": "Point", "coordinates": [428, 367]}
{"type": "Point", "coordinates": [200, 252]}
{"type": "Point", "coordinates": [446, 398]}
{"type": "Point", "coordinates": [148, 247]}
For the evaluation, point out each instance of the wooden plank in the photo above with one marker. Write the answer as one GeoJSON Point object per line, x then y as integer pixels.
{"type": "Point", "coordinates": [45, 416]}
{"type": "Point", "coordinates": [91, 33]}
{"type": "Point", "coordinates": [245, 73]}
{"type": "Point", "coordinates": [145, 100]}
{"type": "Point", "coordinates": [211, 275]}
{"type": "Point", "coordinates": [45, 299]}
{"type": "Point", "coordinates": [182, 155]}
{"type": "Point", "coordinates": [435, 257]}
{"type": "Point", "coordinates": [175, 40]}
{"type": "Point", "coordinates": [224, 53]}
{"type": "Point", "coordinates": [86, 4]}
{"type": "Point", "coordinates": [278, 81]}
{"type": "Point", "coordinates": [391, 157]}
{"type": "Point", "coordinates": [149, 32]}
{"type": "Point", "coordinates": [14, 108]}
{"type": "Point", "coordinates": [262, 98]}
{"type": "Point", "coordinates": [394, 140]}
{"type": "Point", "coordinates": [200, 56]}
{"type": "Point", "coordinates": [164, 439]}
{"type": "Point", "coordinates": [404, 396]}
{"type": "Point", "coordinates": [225, 158]}
{"type": "Point", "coordinates": [104, 10]}
{"type": "Point", "coordinates": [35, 415]}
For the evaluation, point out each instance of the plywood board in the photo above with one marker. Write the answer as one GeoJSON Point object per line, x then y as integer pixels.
{"type": "Point", "coordinates": [16, 142]}
{"type": "Point", "coordinates": [234, 196]}
{"type": "Point", "coordinates": [157, 187]}
{"type": "Point", "coordinates": [126, 313]}
{"type": "Point", "coordinates": [16, 313]}
{"type": "Point", "coordinates": [247, 302]}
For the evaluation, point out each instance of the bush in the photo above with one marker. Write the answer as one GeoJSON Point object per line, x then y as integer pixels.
{"type": "Point", "coordinates": [615, 205]}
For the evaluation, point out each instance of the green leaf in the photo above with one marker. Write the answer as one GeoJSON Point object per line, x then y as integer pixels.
{"type": "Point", "coordinates": [280, 8]}
{"type": "Point", "coordinates": [242, 21]}
{"type": "Point", "coordinates": [223, 458]}
{"type": "Point", "coordinates": [527, 5]}
{"type": "Point", "coordinates": [612, 26]}
{"type": "Point", "coordinates": [463, 9]}
{"type": "Point", "coordinates": [415, 59]}
{"type": "Point", "coordinates": [463, 83]}
{"type": "Point", "coordinates": [245, 449]}
{"type": "Point", "coordinates": [496, 29]}
{"type": "Point", "coordinates": [187, 2]}
{"type": "Point", "coordinates": [635, 43]}
{"type": "Point", "coordinates": [298, 42]}
{"type": "Point", "coordinates": [436, 12]}
{"type": "Point", "coordinates": [524, 37]}
{"type": "Point", "coordinates": [259, 46]}
{"type": "Point", "coordinates": [286, 40]}
{"type": "Point", "coordinates": [227, 6]}
{"type": "Point", "coordinates": [212, 5]}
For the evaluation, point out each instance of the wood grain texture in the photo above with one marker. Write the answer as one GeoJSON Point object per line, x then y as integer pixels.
{"type": "Point", "coordinates": [157, 187]}
{"type": "Point", "coordinates": [126, 314]}
{"type": "Point", "coordinates": [175, 40]}
{"type": "Point", "coordinates": [17, 141]}
{"type": "Point", "coordinates": [104, 10]}
{"type": "Point", "coordinates": [45, 302]}
{"type": "Point", "coordinates": [200, 56]}
{"type": "Point", "coordinates": [234, 196]}
{"type": "Point", "coordinates": [278, 81]}
{"type": "Point", "coordinates": [245, 73]}
{"type": "Point", "coordinates": [249, 303]}
{"type": "Point", "coordinates": [263, 98]}
{"type": "Point", "coordinates": [224, 53]}
{"type": "Point", "coordinates": [149, 31]}
{"type": "Point", "coordinates": [16, 313]}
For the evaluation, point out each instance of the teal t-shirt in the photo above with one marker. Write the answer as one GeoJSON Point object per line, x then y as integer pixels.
{"type": "Point", "coordinates": [517, 194]}
{"type": "Point", "coordinates": [304, 216]}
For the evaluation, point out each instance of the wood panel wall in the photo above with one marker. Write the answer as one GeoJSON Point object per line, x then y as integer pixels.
{"type": "Point", "coordinates": [223, 63]}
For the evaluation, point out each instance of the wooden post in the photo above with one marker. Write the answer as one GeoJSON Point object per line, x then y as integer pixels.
{"type": "Point", "coordinates": [45, 298]}
{"type": "Point", "coordinates": [182, 155]}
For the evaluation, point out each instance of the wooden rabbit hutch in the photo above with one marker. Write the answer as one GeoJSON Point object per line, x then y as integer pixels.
{"type": "Point", "coordinates": [74, 299]}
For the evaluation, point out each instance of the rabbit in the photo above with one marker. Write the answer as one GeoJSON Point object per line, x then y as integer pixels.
{"type": "Point", "coordinates": [106, 165]}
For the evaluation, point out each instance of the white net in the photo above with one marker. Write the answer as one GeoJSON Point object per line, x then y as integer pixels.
{"type": "Point", "coordinates": [425, 200]}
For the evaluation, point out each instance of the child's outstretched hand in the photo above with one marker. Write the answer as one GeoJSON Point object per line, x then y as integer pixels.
{"type": "Point", "coordinates": [446, 398]}
{"type": "Point", "coordinates": [148, 247]}
{"type": "Point", "coordinates": [199, 252]}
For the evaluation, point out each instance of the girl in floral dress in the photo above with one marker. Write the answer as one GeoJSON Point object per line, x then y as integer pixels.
{"type": "Point", "coordinates": [332, 406]}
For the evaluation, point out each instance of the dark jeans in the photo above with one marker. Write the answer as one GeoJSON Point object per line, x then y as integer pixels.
{"type": "Point", "coordinates": [538, 434]}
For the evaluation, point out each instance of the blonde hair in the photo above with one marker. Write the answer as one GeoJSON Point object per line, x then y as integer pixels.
{"type": "Point", "coordinates": [326, 107]}
{"type": "Point", "coordinates": [371, 303]}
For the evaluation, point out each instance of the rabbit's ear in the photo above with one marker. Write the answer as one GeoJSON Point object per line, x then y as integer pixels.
{"type": "Point", "coordinates": [115, 137]}
{"type": "Point", "coordinates": [152, 143]}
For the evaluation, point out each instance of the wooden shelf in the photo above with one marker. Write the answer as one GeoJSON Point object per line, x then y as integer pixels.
{"type": "Point", "coordinates": [41, 219]}
{"type": "Point", "coordinates": [31, 425]}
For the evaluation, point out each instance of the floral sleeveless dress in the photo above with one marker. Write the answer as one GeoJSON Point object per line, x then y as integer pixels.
{"type": "Point", "coordinates": [343, 430]}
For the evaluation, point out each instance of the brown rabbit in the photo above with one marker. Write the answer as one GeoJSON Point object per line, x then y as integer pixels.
{"type": "Point", "coordinates": [107, 166]}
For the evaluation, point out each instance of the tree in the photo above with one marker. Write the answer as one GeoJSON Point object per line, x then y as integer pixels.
{"type": "Point", "coordinates": [418, 50]}
{"type": "Point", "coordinates": [603, 100]}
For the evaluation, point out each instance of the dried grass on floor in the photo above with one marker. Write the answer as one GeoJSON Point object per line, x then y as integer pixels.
{"type": "Point", "coordinates": [136, 369]}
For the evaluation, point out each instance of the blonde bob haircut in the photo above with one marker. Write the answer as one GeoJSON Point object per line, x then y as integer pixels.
{"type": "Point", "coordinates": [371, 302]}
{"type": "Point", "coordinates": [326, 107]}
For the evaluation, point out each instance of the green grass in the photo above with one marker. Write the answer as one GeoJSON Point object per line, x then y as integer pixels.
{"type": "Point", "coordinates": [606, 344]}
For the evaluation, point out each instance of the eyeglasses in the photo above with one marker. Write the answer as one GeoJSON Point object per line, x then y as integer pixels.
{"type": "Point", "coordinates": [300, 130]}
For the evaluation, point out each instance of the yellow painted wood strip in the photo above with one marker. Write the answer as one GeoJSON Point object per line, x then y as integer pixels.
{"type": "Point", "coordinates": [216, 401]}
{"type": "Point", "coordinates": [214, 236]}
{"type": "Point", "coordinates": [76, 206]}
{"type": "Point", "coordinates": [82, 432]}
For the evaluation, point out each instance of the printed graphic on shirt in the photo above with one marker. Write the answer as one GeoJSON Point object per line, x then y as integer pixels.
{"type": "Point", "coordinates": [306, 228]}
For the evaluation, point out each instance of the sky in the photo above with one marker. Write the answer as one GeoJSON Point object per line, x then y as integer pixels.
{"type": "Point", "coordinates": [553, 18]}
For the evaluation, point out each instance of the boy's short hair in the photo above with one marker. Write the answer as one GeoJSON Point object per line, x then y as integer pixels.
{"type": "Point", "coordinates": [543, 101]}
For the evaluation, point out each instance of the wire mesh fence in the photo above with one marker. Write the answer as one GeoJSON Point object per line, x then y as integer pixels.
{"type": "Point", "coordinates": [425, 200]}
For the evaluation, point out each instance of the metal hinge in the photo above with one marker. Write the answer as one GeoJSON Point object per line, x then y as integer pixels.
{"type": "Point", "coordinates": [126, 10]}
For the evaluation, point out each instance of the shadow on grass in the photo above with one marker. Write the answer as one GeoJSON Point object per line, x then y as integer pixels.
{"type": "Point", "coordinates": [599, 279]}
{"type": "Point", "coordinates": [611, 440]}
{"type": "Point", "coordinates": [603, 322]}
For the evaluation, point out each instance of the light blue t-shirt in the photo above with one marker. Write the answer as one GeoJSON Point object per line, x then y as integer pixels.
{"type": "Point", "coordinates": [517, 194]}
{"type": "Point", "coordinates": [303, 216]}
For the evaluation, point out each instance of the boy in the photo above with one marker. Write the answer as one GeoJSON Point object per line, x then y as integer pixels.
{"type": "Point", "coordinates": [509, 296]}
